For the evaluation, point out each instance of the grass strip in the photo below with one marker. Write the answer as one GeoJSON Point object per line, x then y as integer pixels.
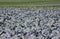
{"type": "Point", "coordinates": [29, 6]}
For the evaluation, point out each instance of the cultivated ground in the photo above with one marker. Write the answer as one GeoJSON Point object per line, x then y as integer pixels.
{"type": "Point", "coordinates": [28, 23]}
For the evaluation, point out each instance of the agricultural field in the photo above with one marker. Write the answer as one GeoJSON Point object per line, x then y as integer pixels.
{"type": "Point", "coordinates": [29, 19]}
{"type": "Point", "coordinates": [28, 23]}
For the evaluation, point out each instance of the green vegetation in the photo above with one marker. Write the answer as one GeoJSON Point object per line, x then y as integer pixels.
{"type": "Point", "coordinates": [10, 3]}
{"type": "Point", "coordinates": [29, 1]}
{"type": "Point", "coordinates": [29, 6]}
